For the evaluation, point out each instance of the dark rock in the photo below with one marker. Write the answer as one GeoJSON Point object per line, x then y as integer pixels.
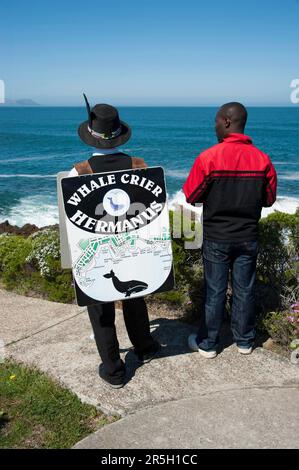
{"type": "Point", "coordinates": [26, 230]}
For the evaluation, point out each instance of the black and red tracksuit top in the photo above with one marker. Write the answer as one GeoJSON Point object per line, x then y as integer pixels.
{"type": "Point", "coordinates": [233, 180]}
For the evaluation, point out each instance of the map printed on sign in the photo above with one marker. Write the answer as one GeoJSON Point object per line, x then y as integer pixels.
{"type": "Point", "coordinates": [118, 233]}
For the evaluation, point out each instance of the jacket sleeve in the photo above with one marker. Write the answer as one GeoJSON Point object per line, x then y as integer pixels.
{"type": "Point", "coordinates": [83, 168]}
{"type": "Point", "coordinates": [196, 183]}
{"type": "Point", "coordinates": [271, 185]}
{"type": "Point", "coordinates": [138, 162]}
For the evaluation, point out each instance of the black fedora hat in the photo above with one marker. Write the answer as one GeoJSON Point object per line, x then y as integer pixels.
{"type": "Point", "coordinates": [103, 129]}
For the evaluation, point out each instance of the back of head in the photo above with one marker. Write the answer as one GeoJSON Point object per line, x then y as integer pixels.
{"type": "Point", "coordinates": [230, 118]}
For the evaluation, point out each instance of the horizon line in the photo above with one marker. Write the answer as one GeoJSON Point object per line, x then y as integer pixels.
{"type": "Point", "coordinates": [3, 105]}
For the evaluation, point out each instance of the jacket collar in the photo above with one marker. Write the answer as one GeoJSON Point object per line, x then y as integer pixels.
{"type": "Point", "coordinates": [106, 151]}
{"type": "Point", "coordinates": [242, 138]}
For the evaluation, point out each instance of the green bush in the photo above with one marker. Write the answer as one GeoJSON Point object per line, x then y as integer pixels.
{"type": "Point", "coordinates": [31, 266]}
{"type": "Point", "coordinates": [45, 252]}
{"type": "Point", "coordinates": [13, 254]}
{"type": "Point", "coordinates": [283, 327]}
{"type": "Point", "coordinates": [278, 276]}
{"type": "Point", "coordinates": [60, 289]}
{"type": "Point", "coordinates": [278, 262]}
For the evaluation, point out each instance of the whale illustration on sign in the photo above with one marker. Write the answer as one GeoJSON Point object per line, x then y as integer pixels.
{"type": "Point", "coordinates": [116, 202]}
{"type": "Point", "coordinates": [115, 207]}
{"type": "Point", "coordinates": [127, 287]}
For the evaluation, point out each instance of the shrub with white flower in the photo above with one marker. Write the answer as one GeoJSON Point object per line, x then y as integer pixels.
{"type": "Point", "coordinates": [45, 249]}
{"type": "Point", "coordinates": [293, 316]}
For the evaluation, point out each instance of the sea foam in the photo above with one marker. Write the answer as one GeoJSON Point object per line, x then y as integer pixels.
{"type": "Point", "coordinates": [282, 204]}
{"type": "Point", "coordinates": [33, 210]}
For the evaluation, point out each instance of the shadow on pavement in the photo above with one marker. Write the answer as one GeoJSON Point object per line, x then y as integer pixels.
{"type": "Point", "coordinates": [173, 336]}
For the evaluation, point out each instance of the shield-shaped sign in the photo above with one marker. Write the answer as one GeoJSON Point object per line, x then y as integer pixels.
{"type": "Point", "coordinates": [118, 234]}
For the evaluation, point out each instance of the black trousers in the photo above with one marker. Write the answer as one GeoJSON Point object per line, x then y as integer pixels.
{"type": "Point", "coordinates": [102, 318]}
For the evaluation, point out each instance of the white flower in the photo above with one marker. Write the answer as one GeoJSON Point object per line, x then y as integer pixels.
{"type": "Point", "coordinates": [45, 246]}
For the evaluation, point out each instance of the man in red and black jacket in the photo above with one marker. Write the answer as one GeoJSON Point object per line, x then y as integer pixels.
{"type": "Point", "coordinates": [233, 180]}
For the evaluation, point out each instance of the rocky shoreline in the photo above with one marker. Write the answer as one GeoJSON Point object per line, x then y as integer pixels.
{"type": "Point", "coordinates": [25, 230]}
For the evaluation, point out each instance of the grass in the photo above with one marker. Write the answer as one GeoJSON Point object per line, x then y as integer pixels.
{"type": "Point", "coordinates": [37, 412]}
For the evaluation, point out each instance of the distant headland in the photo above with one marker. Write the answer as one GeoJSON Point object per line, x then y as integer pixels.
{"type": "Point", "coordinates": [21, 102]}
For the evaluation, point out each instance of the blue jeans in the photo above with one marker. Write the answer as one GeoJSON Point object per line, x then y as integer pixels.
{"type": "Point", "coordinates": [219, 258]}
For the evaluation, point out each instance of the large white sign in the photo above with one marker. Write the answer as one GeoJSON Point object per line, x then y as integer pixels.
{"type": "Point", "coordinates": [118, 234]}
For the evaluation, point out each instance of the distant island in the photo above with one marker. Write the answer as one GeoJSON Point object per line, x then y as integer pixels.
{"type": "Point", "coordinates": [21, 102]}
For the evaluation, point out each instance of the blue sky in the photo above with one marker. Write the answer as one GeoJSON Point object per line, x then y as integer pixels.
{"type": "Point", "coordinates": [150, 52]}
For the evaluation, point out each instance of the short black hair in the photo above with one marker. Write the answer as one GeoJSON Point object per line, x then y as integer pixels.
{"type": "Point", "coordinates": [236, 112]}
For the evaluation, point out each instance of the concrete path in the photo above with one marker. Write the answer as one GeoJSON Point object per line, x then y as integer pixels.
{"type": "Point", "coordinates": [245, 418]}
{"type": "Point", "coordinates": [56, 338]}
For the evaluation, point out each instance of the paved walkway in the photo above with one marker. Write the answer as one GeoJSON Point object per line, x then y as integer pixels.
{"type": "Point", "coordinates": [177, 400]}
{"type": "Point", "coordinates": [262, 417]}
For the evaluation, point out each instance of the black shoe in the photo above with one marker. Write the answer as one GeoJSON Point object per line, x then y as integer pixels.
{"type": "Point", "coordinates": [114, 382]}
{"type": "Point", "coordinates": [149, 354]}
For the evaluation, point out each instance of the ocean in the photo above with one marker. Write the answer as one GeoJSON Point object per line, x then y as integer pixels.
{"type": "Point", "coordinates": [38, 142]}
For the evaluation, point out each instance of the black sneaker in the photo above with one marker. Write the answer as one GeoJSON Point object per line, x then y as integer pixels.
{"type": "Point", "coordinates": [149, 354]}
{"type": "Point", "coordinates": [114, 382]}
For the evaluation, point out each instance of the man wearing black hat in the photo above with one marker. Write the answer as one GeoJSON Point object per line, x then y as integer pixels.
{"type": "Point", "coordinates": [105, 131]}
